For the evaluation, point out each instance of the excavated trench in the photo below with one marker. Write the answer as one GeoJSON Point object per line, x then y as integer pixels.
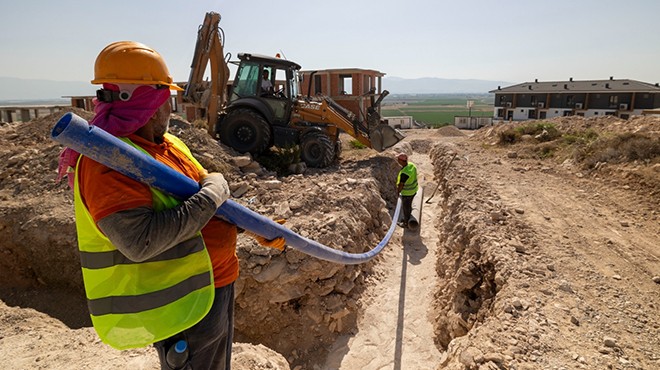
{"type": "Point", "coordinates": [467, 263]}
{"type": "Point", "coordinates": [290, 302]}
{"type": "Point", "coordinates": [467, 277]}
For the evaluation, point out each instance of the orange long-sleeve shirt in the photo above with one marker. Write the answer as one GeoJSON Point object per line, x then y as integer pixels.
{"type": "Point", "coordinates": [105, 191]}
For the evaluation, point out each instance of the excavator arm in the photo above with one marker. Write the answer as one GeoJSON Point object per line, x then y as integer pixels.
{"type": "Point", "coordinates": [208, 50]}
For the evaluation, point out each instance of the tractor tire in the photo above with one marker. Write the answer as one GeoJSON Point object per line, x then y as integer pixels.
{"type": "Point", "coordinates": [245, 131]}
{"type": "Point", "coordinates": [316, 149]}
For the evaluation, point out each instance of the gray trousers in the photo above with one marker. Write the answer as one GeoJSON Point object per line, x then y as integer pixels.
{"type": "Point", "coordinates": [210, 340]}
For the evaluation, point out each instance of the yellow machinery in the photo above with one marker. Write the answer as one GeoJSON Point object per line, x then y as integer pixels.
{"type": "Point", "coordinates": [264, 106]}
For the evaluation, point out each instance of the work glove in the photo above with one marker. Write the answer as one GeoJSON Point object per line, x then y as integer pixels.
{"type": "Point", "coordinates": [277, 243]}
{"type": "Point", "coordinates": [214, 186]}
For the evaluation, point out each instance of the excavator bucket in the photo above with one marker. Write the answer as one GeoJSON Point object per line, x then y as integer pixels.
{"type": "Point", "coordinates": [384, 136]}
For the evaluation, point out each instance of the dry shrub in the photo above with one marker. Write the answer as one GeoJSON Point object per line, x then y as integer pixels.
{"type": "Point", "coordinates": [357, 145]}
{"type": "Point", "coordinates": [200, 124]}
{"type": "Point", "coordinates": [546, 150]}
{"type": "Point", "coordinates": [626, 147]}
{"type": "Point", "coordinates": [508, 137]}
{"type": "Point", "coordinates": [542, 132]}
{"type": "Point", "coordinates": [279, 159]}
{"type": "Point", "coordinates": [579, 137]}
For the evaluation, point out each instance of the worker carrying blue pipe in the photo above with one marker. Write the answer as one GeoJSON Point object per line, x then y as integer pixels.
{"type": "Point", "coordinates": [158, 267]}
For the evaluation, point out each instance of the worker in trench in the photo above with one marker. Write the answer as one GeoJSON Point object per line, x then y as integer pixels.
{"type": "Point", "coordinates": [406, 185]}
{"type": "Point", "coordinates": [157, 270]}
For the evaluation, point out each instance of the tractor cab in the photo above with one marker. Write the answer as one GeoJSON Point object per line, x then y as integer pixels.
{"type": "Point", "coordinates": [268, 85]}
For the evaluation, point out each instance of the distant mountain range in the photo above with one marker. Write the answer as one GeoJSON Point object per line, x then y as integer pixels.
{"type": "Point", "coordinates": [18, 89]}
{"type": "Point", "coordinates": [432, 85]}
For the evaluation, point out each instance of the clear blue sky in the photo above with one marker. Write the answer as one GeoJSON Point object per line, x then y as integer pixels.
{"type": "Point", "coordinates": [505, 40]}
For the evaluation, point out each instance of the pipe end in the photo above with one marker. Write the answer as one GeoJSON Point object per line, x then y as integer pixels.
{"type": "Point", "coordinates": [61, 125]}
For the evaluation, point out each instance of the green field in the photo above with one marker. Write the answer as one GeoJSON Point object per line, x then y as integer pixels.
{"type": "Point", "coordinates": [437, 110]}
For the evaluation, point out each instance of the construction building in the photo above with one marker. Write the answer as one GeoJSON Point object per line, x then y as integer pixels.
{"type": "Point", "coordinates": [25, 113]}
{"type": "Point", "coordinates": [354, 89]}
{"type": "Point", "coordinates": [591, 98]}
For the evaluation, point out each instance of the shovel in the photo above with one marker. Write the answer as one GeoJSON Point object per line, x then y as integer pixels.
{"type": "Point", "coordinates": [443, 171]}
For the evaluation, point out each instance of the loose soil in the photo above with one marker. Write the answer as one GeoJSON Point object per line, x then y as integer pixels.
{"type": "Point", "coordinates": [526, 258]}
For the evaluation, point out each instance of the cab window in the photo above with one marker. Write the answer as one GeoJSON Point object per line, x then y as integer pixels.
{"type": "Point", "coordinates": [247, 79]}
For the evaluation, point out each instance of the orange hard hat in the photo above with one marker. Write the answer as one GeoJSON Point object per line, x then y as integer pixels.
{"type": "Point", "coordinates": [130, 62]}
{"type": "Point", "coordinates": [402, 156]}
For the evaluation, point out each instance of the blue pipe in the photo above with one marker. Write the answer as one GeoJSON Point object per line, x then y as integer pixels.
{"type": "Point", "coordinates": [74, 132]}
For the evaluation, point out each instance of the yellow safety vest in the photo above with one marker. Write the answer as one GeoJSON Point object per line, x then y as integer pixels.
{"type": "Point", "coordinates": [133, 304]}
{"type": "Point", "coordinates": [410, 186]}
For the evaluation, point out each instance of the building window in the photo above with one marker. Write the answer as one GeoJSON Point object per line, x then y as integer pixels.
{"type": "Point", "coordinates": [614, 100]}
{"type": "Point", "coordinates": [569, 100]}
{"type": "Point", "coordinates": [318, 84]}
{"type": "Point", "coordinates": [345, 84]}
{"type": "Point", "coordinates": [367, 84]}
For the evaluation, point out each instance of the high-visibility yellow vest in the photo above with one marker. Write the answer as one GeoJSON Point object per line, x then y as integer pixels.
{"type": "Point", "coordinates": [133, 304]}
{"type": "Point", "coordinates": [410, 186]}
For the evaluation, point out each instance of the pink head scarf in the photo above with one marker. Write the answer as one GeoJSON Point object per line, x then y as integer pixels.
{"type": "Point", "coordinates": [119, 118]}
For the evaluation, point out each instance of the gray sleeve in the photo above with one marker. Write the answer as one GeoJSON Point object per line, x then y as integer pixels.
{"type": "Point", "coordinates": [141, 233]}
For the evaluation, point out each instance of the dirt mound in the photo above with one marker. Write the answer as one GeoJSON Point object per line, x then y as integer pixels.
{"type": "Point", "coordinates": [449, 130]}
{"type": "Point", "coordinates": [60, 347]}
{"type": "Point", "coordinates": [421, 146]}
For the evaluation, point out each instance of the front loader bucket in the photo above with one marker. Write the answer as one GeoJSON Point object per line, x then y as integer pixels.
{"type": "Point", "coordinates": [384, 136]}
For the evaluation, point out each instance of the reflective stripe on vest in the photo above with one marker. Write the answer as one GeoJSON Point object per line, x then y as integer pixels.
{"type": "Point", "coordinates": [133, 304]}
{"type": "Point", "coordinates": [100, 260]}
{"type": "Point", "coordinates": [410, 186]}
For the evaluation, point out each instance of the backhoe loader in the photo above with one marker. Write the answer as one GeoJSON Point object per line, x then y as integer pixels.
{"type": "Point", "coordinates": [251, 116]}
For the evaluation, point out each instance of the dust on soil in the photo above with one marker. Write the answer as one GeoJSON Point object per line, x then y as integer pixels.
{"type": "Point", "coordinates": [524, 260]}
